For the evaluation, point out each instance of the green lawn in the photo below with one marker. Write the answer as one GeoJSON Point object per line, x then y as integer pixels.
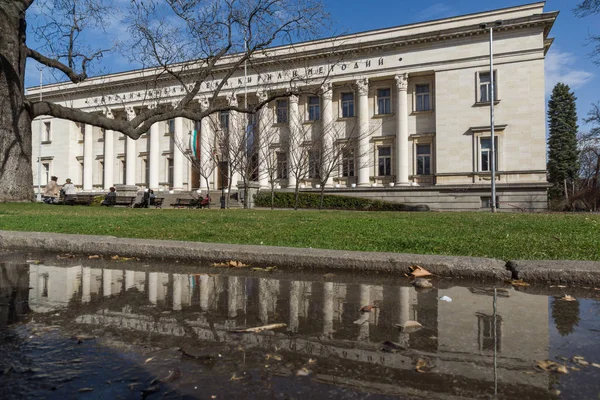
{"type": "Point", "coordinates": [505, 236]}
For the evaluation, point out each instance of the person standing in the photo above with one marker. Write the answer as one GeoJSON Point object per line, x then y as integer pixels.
{"type": "Point", "coordinates": [51, 191]}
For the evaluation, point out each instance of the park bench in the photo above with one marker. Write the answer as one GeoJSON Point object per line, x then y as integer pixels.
{"type": "Point", "coordinates": [126, 201]}
{"type": "Point", "coordinates": [188, 203]}
{"type": "Point", "coordinates": [157, 202]}
{"type": "Point", "coordinates": [79, 199]}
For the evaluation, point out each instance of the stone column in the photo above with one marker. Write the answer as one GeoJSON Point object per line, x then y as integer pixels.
{"type": "Point", "coordinates": [232, 294]}
{"type": "Point", "coordinates": [365, 299]}
{"type": "Point", "coordinates": [153, 287]}
{"type": "Point", "coordinates": [178, 159]}
{"type": "Point", "coordinates": [261, 141]}
{"type": "Point", "coordinates": [263, 300]}
{"type": "Point", "coordinates": [130, 155]}
{"type": "Point", "coordinates": [362, 153]}
{"type": "Point", "coordinates": [294, 137]}
{"type": "Point", "coordinates": [206, 145]}
{"type": "Point", "coordinates": [109, 157]}
{"type": "Point", "coordinates": [236, 134]}
{"type": "Point", "coordinates": [88, 162]}
{"type": "Point", "coordinates": [86, 283]}
{"type": "Point", "coordinates": [177, 291]}
{"type": "Point", "coordinates": [402, 131]}
{"type": "Point", "coordinates": [294, 306]}
{"type": "Point", "coordinates": [404, 312]}
{"type": "Point", "coordinates": [107, 282]}
{"type": "Point", "coordinates": [204, 292]}
{"type": "Point", "coordinates": [129, 279]}
{"type": "Point", "coordinates": [328, 308]}
{"type": "Point", "coordinates": [327, 131]}
{"type": "Point", "coordinates": [154, 157]}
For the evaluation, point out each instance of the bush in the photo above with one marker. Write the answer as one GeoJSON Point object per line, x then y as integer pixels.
{"type": "Point", "coordinates": [331, 202]}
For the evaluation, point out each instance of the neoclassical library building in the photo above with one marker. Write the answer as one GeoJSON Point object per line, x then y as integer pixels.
{"type": "Point", "coordinates": [409, 105]}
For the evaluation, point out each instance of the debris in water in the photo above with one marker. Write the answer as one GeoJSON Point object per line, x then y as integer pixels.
{"type": "Point", "coordinates": [86, 389]}
{"type": "Point", "coordinates": [259, 328]}
{"type": "Point", "coordinates": [368, 308]}
{"type": "Point", "coordinates": [421, 366]}
{"type": "Point", "coordinates": [409, 326]}
{"type": "Point", "coordinates": [580, 360]}
{"type": "Point", "coordinates": [446, 298]}
{"type": "Point", "coordinates": [303, 372]}
{"type": "Point", "coordinates": [567, 297]}
{"type": "Point", "coordinates": [94, 257]}
{"type": "Point", "coordinates": [148, 360]}
{"type": "Point", "coordinates": [422, 283]}
{"type": "Point", "coordinates": [417, 271]}
{"type": "Point", "coordinates": [552, 366]}
{"type": "Point", "coordinates": [518, 283]}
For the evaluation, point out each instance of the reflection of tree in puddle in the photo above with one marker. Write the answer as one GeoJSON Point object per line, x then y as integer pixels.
{"type": "Point", "coordinates": [565, 315]}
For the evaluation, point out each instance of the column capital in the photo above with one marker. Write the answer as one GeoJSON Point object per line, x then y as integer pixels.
{"type": "Point", "coordinates": [327, 91]}
{"type": "Point", "coordinates": [362, 86]}
{"type": "Point", "coordinates": [262, 95]}
{"type": "Point", "coordinates": [293, 99]}
{"type": "Point", "coordinates": [402, 81]}
{"type": "Point", "coordinates": [204, 103]}
{"type": "Point", "coordinates": [232, 100]}
{"type": "Point", "coordinates": [130, 113]}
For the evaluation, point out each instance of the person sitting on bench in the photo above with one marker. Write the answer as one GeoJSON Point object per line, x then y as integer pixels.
{"type": "Point", "coordinates": [205, 202]}
{"type": "Point", "coordinates": [109, 199]}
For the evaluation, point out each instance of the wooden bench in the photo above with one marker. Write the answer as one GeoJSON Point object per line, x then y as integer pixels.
{"type": "Point", "coordinates": [157, 202]}
{"type": "Point", "coordinates": [79, 199]}
{"type": "Point", "coordinates": [187, 203]}
{"type": "Point", "coordinates": [126, 201]}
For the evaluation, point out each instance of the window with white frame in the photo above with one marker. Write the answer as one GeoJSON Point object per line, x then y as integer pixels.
{"type": "Point", "coordinates": [314, 164]}
{"type": "Point", "coordinates": [348, 162]}
{"type": "Point", "coordinates": [170, 171]}
{"type": "Point", "coordinates": [46, 129]}
{"type": "Point", "coordinates": [422, 97]}
{"type": "Point", "coordinates": [281, 110]}
{"type": "Point", "coordinates": [485, 151]}
{"type": "Point", "coordinates": [423, 159]}
{"type": "Point", "coordinates": [45, 173]}
{"type": "Point", "coordinates": [489, 334]}
{"type": "Point", "coordinates": [485, 87]}
{"type": "Point", "coordinates": [314, 108]}
{"type": "Point", "coordinates": [384, 101]}
{"type": "Point", "coordinates": [80, 171]}
{"type": "Point", "coordinates": [347, 105]}
{"type": "Point", "coordinates": [224, 120]}
{"type": "Point", "coordinates": [171, 126]}
{"type": "Point", "coordinates": [282, 172]}
{"type": "Point", "coordinates": [384, 161]}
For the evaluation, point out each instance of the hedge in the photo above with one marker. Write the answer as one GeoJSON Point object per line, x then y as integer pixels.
{"type": "Point", "coordinates": [331, 202]}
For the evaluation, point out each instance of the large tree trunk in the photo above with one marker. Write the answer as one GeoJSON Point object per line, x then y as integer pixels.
{"type": "Point", "coordinates": [15, 121]}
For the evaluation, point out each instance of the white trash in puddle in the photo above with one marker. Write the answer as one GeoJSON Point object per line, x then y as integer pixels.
{"type": "Point", "coordinates": [446, 298]}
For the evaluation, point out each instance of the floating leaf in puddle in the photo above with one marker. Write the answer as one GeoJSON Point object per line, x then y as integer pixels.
{"type": "Point", "coordinates": [422, 283]}
{"type": "Point", "coordinates": [518, 283]}
{"type": "Point", "coordinates": [580, 360]}
{"type": "Point", "coordinates": [303, 372]}
{"type": "Point", "coordinates": [148, 360]}
{"type": "Point", "coordinates": [595, 365]}
{"type": "Point", "coordinates": [421, 366]}
{"type": "Point", "coordinates": [417, 271]}
{"type": "Point", "coordinates": [409, 326]}
{"type": "Point", "coordinates": [552, 366]}
{"type": "Point", "coordinates": [368, 308]}
{"type": "Point", "coordinates": [94, 257]}
{"type": "Point", "coordinates": [568, 297]}
{"type": "Point", "coordinates": [33, 262]}
{"type": "Point", "coordinates": [235, 377]}
{"type": "Point", "coordinates": [86, 389]}
{"type": "Point", "coordinates": [67, 255]}
{"type": "Point", "coordinates": [312, 361]}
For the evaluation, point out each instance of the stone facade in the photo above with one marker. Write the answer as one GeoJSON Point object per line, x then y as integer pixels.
{"type": "Point", "coordinates": [412, 100]}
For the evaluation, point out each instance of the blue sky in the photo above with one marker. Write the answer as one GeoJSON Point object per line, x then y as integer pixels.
{"type": "Point", "coordinates": [567, 61]}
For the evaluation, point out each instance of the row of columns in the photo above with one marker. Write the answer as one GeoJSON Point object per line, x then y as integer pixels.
{"type": "Point", "coordinates": [131, 156]}
{"type": "Point", "coordinates": [268, 293]}
{"type": "Point", "coordinates": [294, 120]}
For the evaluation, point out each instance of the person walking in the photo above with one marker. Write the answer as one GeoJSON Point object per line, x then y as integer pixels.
{"type": "Point", "coordinates": [51, 191]}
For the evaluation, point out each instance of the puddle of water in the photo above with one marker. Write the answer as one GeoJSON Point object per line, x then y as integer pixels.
{"type": "Point", "coordinates": [108, 329]}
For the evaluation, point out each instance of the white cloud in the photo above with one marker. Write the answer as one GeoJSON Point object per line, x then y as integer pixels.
{"type": "Point", "coordinates": [561, 67]}
{"type": "Point", "coordinates": [437, 10]}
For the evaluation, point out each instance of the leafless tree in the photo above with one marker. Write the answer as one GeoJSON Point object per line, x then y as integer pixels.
{"type": "Point", "coordinates": [185, 41]}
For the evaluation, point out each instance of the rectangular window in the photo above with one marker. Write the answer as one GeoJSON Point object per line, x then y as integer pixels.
{"type": "Point", "coordinates": [171, 126]}
{"type": "Point", "coordinates": [347, 105]}
{"type": "Point", "coordinates": [45, 173]}
{"type": "Point", "coordinates": [314, 164]}
{"type": "Point", "coordinates": [348, 162]}
{"type": "Point", "coordinates": [46, 132]}
{"type": "Point", "coordinates": [485, 87]}
{"type": "Point", "coordinates": [487, 335]}
{"type": "Point", "coordinates": [224, 120]}
{"type": "Point", "coordinates": [384, 101]}
{"type": "Point", "coordinates": [485, 151]}
{"type": "Point", "coordinates": [170, 171]}
{"type": "Point", "coordinates": [384, 160]}
{"type": "Point", "coordinates": [423, 159]}
{"type": "Point", "coordinates": [101, 169]}
{"type": "Point", "coordinates": [422, 98]}
{"type": "Point", "coordinates": [282, 172]}
{"type": "Point", "coordinates": [314, 112]}
{"type": "Point", "coordinates": [282, 111]}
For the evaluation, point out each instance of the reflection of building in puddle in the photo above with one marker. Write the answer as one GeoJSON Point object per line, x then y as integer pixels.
{"type": "Point", "coordinates": [457, 339]}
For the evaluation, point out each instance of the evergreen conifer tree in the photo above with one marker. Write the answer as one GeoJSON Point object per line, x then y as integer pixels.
{"type": "Point", "coordinates": [563, 155]}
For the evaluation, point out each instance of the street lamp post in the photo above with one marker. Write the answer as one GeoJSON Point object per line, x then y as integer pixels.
{"type": "Point", "coordinates": [39, 172]}
{"type": "Point", "coordinates": [491, 26]}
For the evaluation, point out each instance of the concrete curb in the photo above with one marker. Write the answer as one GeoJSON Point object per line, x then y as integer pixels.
{"type": "Point", "coordinates": [447, 266]}
{"type": "Point", "coordinates": [562, 271]}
